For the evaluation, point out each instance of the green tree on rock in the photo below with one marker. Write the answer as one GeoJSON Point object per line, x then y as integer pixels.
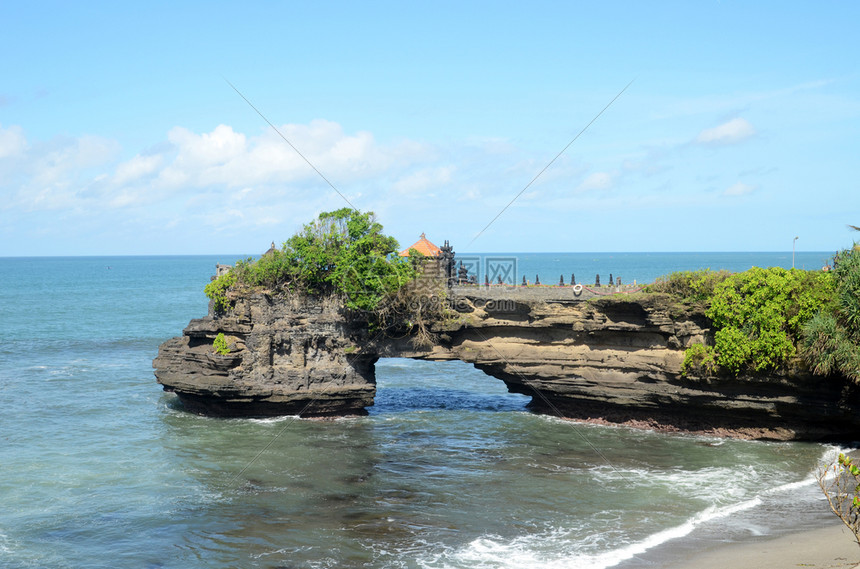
{"type": "Point", "coordinates": [342, 252]}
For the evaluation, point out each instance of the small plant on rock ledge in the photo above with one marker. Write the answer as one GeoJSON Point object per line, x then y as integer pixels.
{"type": "Point", "coordinates": [699, 359]}
{"type": "Point", "coordinates": [220, 345]}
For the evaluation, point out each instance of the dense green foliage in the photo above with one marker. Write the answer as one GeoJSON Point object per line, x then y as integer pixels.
{"type": "Point", "coordinates": [341, 252]}
{"type": "Point", "coordinates": [761, 316]}
{"type": "Point", "coordinates": [217, 291]}
{"type": "Point", "coordinates": [689, 285]}
{"type": "Point", "coordinates": [759, 313]}
{"type": "Point", "coordinates": [831, 340]}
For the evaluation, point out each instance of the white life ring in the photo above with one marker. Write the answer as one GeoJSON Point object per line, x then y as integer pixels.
{"type": "Point", "coordinates": [577, 289]}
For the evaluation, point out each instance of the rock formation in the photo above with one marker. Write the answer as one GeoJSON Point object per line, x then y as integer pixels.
{"type": "Point", "coordinates": [288, 356]}
{"type": "Point", "coordinates": [614, 359]}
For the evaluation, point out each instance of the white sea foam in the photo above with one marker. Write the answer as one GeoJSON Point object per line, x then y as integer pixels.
{"type": "Point", "coordinates": [730, 491]}
{"type": "Point", "coordinates": [718, 485]}
{"type": "Point", "coordinates": [808, 481]}
{"type": "Point", "coordinates": [556, 550]}
{"type": "Point", "coordinates": [831, 453]}
{"type": "Point", "coordinates": [272, 420]}
{"type": "Point", "coordinates": [5, 544]}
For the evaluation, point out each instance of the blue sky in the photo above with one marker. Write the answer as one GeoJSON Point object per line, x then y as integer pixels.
{"type": "Point", "coordinates": [120, 135]}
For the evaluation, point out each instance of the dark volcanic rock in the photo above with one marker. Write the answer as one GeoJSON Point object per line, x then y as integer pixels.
{"type": "Point", "coordinates": [288, 356]}
{"type": "Point", "coordinates": [611, 359]}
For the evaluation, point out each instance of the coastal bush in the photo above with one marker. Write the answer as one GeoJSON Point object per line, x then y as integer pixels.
{"type": "Point", "coordinates": [758, 315]}
{"type": "Point", "coordinates": [216, 291]}
{"type": "Point", "coordinates": [273, 269]}
{"type": "Point", "coordinates": [220, 345]}
{"type": "Point", "coordinates": [342, 252]}
{"type": "Point", "coordinates": [840, 482]}
{"type": "Point", "coordinates": [699, 358]}
{"type": "Point", "coordinates": [831, 340]}
{"type": "Point", "coordinates": [689, 285]}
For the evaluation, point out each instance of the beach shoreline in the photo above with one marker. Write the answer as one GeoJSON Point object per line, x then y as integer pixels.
{"type": "Point", "coordinates": [828, 547]}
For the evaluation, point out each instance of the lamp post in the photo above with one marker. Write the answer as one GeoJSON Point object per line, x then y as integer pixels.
{"type": "Point", "coordinates": [793, 243]}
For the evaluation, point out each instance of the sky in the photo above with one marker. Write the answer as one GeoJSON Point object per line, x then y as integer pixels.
{"type": "Point", "coordinates": [738, 129]}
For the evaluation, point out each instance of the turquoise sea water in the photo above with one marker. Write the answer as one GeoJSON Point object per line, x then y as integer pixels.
{"type": "Point", "coordinates": [639, 267]}
{"type": "Point", "coordinates": [100, 468]}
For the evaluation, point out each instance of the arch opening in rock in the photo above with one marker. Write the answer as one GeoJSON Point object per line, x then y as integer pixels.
{"type": "Point", "coordinates": [404, 385]}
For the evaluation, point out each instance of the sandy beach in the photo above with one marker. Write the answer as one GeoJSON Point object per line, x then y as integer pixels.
{"type": "Point", "coordinates": [831, 547]}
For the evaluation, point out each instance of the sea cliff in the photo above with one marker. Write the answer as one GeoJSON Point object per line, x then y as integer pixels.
{"type": "Point", "coordinates": [614, 358]}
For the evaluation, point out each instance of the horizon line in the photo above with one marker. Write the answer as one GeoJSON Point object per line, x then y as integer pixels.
{"type": "Point", "coordinates": [246, 255]}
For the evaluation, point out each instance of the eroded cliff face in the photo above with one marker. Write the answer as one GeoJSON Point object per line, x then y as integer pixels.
{"type": "Point", "coordinates": [288, 356]}
{"type": "Point", "coordinates": [614, 359]}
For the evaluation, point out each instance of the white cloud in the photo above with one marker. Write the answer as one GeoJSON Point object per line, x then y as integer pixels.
{"type": "Point", "coordinates": [136, 168]}
{"type": "Point", "coordinates": [731, 132]}
{"type": "Point", "coordinates": [596, 181]}
{"type": "Point", "coordinates": [424, 180]}
{"type": "Point", "coordinates": [12, 142]}
{"type": "Point", "coordinates": [203, 159]}
{"type": "Point", "coordinates": [50, 175]}
{"type": "Point", "coordinates": [56, 160]}
{"type": "Point", "coordinates": [207, 149]}
{"type": "Point", "coordinates": [739, 189]}
{"type": "Point", "coordinates": [225, 158]}
{"type": "Point", "coordinates": [243, 188]}
{"type": "Point", "coordinates": [228, 166]}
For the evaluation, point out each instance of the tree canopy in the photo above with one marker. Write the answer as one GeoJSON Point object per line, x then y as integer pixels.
{"type": "Point", "coordinates": [341, 252]}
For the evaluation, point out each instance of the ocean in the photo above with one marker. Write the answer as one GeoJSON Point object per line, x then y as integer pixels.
{"type": "Point", "coordinates": [100, 468]}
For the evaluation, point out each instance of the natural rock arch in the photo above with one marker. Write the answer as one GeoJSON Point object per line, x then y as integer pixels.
{"type": "Point", "coordinates": [614, 358]}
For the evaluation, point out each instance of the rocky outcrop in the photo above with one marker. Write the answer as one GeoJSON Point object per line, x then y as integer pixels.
{"type": "Point", "coordinates": [610, 359]}
{"type": "Point", "coordinates": [287, 355]}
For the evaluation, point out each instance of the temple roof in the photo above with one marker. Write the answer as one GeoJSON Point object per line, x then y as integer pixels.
{"type": "Point", "coordinates": [423, 246]}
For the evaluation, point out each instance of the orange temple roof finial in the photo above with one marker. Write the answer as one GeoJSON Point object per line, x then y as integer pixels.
{"type": "Point", "coordinates": [423, 246]}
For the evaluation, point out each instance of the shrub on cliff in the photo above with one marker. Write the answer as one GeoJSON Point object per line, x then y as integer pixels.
{"type": "Point", "coordinates": [341, 252]}
{"type": "Point", "coordinates": [759, 314]}
{"type": "Point", "coordinates": [689, 285]}
{"type": "Point", "coordinates": [217, 291]}
{"type": "Point", "coordinates": [699, 358]}
{"type": "Point", "coordinates": [220, 345]}
{"type": "Point", "coordinates": [831, 340]}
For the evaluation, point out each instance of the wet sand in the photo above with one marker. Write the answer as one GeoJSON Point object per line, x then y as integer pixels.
{"type": "Point", "coordinates": [830, 547]}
